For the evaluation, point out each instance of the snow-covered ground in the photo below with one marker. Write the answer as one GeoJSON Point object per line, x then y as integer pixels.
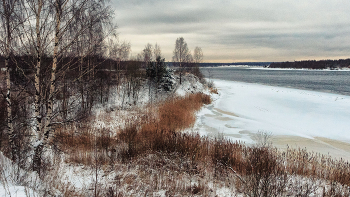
{"type": "Point", "coordinates": [297, 118]}
{"type": "Point", "coordinates": [10, 176]}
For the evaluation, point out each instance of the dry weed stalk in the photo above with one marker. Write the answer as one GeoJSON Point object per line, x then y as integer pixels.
{"type": "Point", "coordinates": [213, 90]}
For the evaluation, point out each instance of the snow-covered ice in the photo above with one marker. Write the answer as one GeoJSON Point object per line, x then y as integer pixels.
{"type": "Point", "coordinates": [306, 117]}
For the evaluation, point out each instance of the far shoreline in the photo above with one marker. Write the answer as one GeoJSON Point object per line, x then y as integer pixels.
{"type": "Point", "coordinates": [268, 68]}
{"type": "Point", "coordinates": [300, 69]}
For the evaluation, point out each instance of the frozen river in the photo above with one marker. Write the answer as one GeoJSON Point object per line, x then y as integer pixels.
{"type": "Point", "coordinates": [319, 121]}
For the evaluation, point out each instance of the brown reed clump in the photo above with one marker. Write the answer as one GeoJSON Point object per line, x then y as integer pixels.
{"type": "Point", "coordinates": [301, 162]}
{"type": "Point", "coordinates": [85, 144]}
{"type": "Point", "coordinates": [213, 90]}
{"type": "Point", "coordinates": [179, 113]}
{"type": "Point", "coordinates": [161, 134]}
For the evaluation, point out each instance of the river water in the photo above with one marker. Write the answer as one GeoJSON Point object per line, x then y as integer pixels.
{"type": "Point", "coordinates": [337, 82]}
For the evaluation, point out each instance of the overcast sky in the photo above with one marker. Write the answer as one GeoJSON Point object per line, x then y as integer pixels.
{"type": "Point", "coordinates": [239, 30]}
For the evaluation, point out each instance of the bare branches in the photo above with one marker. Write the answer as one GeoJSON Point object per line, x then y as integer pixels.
{"type": "Point", "coordinates": [182, 55]}
{"type": "Point", "coordinates": [198, 55]}
{"type": "Point", "coordinates": [43, 35]}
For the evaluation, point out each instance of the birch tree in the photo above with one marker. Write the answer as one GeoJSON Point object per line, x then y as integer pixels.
{"type": "Point", "coordinates": [118, 51]}
{"type": "Point", "coordinates": [9, 21]}
{"type": "Point", "coordinates": [181, 55]}
{"type": "Point", "coordinates": [147, 53]}
{"type": "Point", "coordinates": [124, 51]}
{"type": "Point", "coordinates": [157, 51]}
{"type": "Point", "coordinates": [198, 55]}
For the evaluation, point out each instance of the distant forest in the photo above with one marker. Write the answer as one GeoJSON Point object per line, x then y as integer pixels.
{"type": "Point", "coordinates": [100, 63]}
{"type": "Point", "coordinates": [313, 64]}
{"type": "Point", "coordinates": [235, 63]}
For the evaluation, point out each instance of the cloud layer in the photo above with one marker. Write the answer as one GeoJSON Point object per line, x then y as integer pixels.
{"type": "Point", "coordinates": [239, 30]}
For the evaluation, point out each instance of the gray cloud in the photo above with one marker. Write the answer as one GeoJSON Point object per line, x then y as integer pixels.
{"type": "Point", "coordinates": [255, 30]}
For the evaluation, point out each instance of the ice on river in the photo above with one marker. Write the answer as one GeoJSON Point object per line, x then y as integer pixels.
{"type": "Point", "coordinates": [316, 120]}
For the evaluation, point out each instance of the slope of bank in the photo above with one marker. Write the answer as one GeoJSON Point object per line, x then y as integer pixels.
{"type": "Point", "coordinates": [141, 150]}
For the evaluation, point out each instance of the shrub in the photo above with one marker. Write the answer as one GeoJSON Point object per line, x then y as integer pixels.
{"type": "Point", "coordinates": [196, 71]}
{"type": "Point", "coordinates": [264, 173]}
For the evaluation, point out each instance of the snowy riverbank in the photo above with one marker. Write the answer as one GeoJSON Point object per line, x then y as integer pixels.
{"type": "Point", "coordinates": [298, 118]}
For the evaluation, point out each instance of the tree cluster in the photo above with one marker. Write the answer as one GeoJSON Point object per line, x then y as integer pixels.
{"type": "Point", "coordinates": [183, 59]}
{"type": "Point", "coordinates": [42, 43]}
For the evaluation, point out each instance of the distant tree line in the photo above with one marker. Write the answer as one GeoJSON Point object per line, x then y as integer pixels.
{"type": "Point", "coordinates": [75, 63]}
{"type": "Point", "coordinates": [235, 64]}
{"type": "Point", "coordinates": [313, 64]}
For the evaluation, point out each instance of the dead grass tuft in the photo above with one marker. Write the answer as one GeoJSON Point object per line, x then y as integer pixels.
{"type": "Point", "coordinates": [213, 90]}
{"type": "Point", "coordinates": [179, 113]}
{"type": "Point", "coordinates": [84, 145]}
{"type": "Point", "coordinates": [301, 162]}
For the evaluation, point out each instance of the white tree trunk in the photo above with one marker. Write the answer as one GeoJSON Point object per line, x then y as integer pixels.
{"type": "Point", "coordinates": [38, 146]}
{"type": "Point", "coordinates": [7, 12]}
{"type": "Point", "coordinates": [9, 104]}
{"type": "Point", "coordinates": [47, 128]}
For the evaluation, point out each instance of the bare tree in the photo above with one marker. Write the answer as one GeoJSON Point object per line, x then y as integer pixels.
{"type": "Point", "coordinates": [139, 57]}
{"type": "Point", "coordinates": [198, 55]}
{"type": "Point", "coordinates": [117, 50]}
{"type": "Point", "coordinates": [157, 51]}
{"type": "Point", "coordinates": [124, 51]}
{"type": "Point", "coordinates": [181, 55]}
{"type": "Point", "coordinates": [9, 22]}
{"type": "Point", "coordinates": [147, 53]}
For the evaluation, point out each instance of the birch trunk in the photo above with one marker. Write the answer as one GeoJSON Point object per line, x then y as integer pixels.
{"type": "Point", "coordinates": [81, 71]}
{"type": "Point", "coordinates": [47, 128]}
{"type": "Point", "coordinates": [38, 118]}
{"type": "Point", "coordinates": [7, 12]}
{"type": "Point", "coordinates": [11, 133]}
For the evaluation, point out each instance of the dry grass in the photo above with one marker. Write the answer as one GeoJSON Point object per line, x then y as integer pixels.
{"type": "Point", "coordinates": [161, 134]}
{"type": "Point", "coordinates": [213, 90]}
{"type": "Point", "coordinates": [81, 145]}
{"type": "Point", "coordinates": [255, 171]}
{"type": "Point", "coordinates": [301, 162]}
{"type": "Point", "coordinates": [179, 113]}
